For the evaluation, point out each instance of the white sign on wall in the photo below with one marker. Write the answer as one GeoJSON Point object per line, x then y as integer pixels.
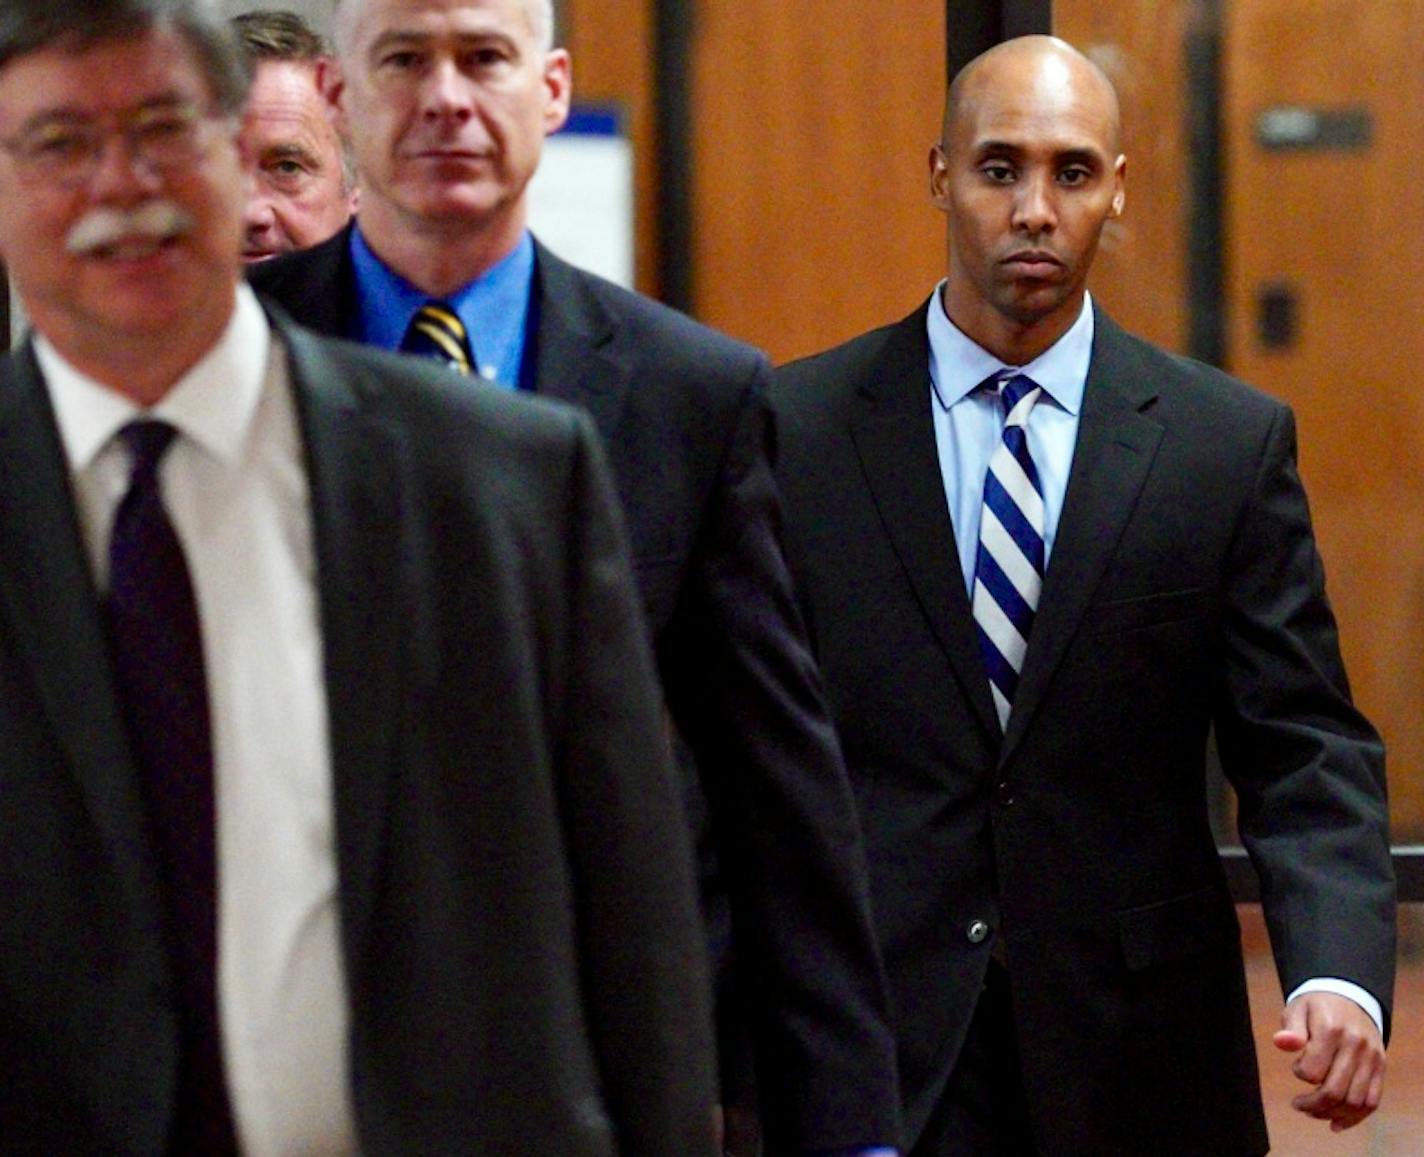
{"type": "Point", "coordinates": [581, 197]}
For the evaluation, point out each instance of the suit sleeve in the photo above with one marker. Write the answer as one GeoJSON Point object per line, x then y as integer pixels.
{"type": "Point", "coordinates": [642, 956]}
{"type": "Point", "coordinates": [1307, 766]}
{"type": "Point", "coordinates": [746, 695]}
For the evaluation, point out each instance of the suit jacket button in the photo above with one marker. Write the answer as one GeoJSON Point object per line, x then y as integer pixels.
{"type": "Point", "coordinates": [977, 932]}
{"type": "Point", "coordinates": [1004, 794]}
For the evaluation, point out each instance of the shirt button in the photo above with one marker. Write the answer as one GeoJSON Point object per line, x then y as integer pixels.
{"type": "Point", "coordinates": [1004, 794]}
{"type": "Point", "coordinates": [977, 932]}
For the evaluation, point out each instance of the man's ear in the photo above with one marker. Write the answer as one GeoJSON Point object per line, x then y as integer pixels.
{"type": "Point", "coordinates": [1119, 198]}
{"type": "Point", "coordinates": [559, 87]}
{"type": "Point", "coordinates": [332, 85]}
{"type": "Point", "coordinates": [939, 176]}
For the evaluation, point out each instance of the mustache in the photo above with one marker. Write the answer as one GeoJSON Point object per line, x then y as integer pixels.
{"type": "Point", "coordinates": [155, 220]}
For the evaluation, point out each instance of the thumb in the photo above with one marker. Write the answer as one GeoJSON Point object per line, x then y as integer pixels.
{"type": "Point", "coordinates": [1293, 1033]}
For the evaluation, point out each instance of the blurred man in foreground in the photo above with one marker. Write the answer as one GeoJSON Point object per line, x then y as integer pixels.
{"type": "Point", "coordinates": [335, 808]}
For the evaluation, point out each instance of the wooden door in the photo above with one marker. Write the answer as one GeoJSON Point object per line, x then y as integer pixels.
{"type": "Point", "coordinates": [813, 121]}
{"type": "Point", "coordinates": [1324, 107]}
{"type": "Point", "coordinates": [1140, 275]}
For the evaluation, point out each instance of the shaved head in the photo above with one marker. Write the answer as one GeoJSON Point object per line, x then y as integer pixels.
{"type": "Point", "coordinates": [1027, 173]}
{"type": "Point", "coordinates": [1042, 63]}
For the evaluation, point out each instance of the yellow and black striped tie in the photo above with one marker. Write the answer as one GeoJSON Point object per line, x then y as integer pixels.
{"type": "Point", "coordinates": [436, 332]}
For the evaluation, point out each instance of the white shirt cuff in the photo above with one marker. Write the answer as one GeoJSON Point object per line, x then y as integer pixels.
{"type": "Point", "coordinates": [1347, 989]}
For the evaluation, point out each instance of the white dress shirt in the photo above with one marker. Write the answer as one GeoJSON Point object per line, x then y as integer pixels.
{"type": "Point", "coordinates": [235, 487]}
{"type": "Point", "coordinates": [968, 426]}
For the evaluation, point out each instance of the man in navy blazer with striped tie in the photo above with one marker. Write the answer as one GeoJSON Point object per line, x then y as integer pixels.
{"type": "Point", "coordinates": [1040, 560]}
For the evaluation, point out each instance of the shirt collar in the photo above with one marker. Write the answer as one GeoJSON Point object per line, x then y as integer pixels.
{"type": "Point", "coordinates": [492, 306]}
{"type": "Point", "coordinates": [213, 403]}
{"type": "Point", "coordinates": [958, 363]}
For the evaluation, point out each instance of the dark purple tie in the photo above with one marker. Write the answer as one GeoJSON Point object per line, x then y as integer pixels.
{"type": "Point", "coordinates": [158, 665]}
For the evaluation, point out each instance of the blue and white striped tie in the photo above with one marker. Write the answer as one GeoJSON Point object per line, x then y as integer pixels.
{"type": "Point", "coordinates": [1008, 570]}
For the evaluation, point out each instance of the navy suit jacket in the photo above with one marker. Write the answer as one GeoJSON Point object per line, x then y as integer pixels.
{"type": "Point", "coordinates": [520, 942]}
{"type": "Point", "coordinates": [683, 416]}
{"type": "Point", "coordinates": [1184, 592]}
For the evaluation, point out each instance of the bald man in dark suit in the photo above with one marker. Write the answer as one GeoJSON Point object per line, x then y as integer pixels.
{"type": "Point", "coordinates": [1040, 560]}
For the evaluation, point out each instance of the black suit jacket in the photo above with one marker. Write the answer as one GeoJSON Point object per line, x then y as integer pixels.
{"type": "Point", "coordinates": [1184, 590]}
{"type": "Point", "coordinates": [683, 416]}
{"type": "Point", "coordinates": [519, 935]}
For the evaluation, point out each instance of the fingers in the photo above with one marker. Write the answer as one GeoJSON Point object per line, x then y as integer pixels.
{"type": "Point", "coordinates": [1293, 1033]}
{"type": "Point", "coordinates": [1340, 1053]}
{"type": "Point", "coordinates": [1350, 1092]}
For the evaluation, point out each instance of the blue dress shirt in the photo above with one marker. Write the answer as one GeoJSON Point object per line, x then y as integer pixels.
{"type": "Point", "coordinates": [494, 308]}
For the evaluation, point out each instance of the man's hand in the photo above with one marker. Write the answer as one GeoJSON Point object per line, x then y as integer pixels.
{"type": "Point", "coordinates": [1341, 1054]}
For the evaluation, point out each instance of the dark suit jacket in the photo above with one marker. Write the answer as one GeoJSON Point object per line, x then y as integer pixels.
{"type": "Point", "coordinates": [1184, 590]}
{"type": "Point", "coordinates": [519, 935]}
{"type": "Point", "coordinates": [682, 413]}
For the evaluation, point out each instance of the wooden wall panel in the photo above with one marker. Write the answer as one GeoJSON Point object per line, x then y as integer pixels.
{"type": "Point", "coordinates": [1340, 228]}
{"type": "Point", "coordinates": [611, 42]}
{"type": "Point", "coordinates": [813, 123]}
{"type": "Point", "coordinates": [1141, 271]}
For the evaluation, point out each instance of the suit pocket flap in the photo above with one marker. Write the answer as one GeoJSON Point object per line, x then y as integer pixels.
{"type": "Point", "coordinates": [1171, 929]}
{"type": "Point", "coordinates": [1149, 611]}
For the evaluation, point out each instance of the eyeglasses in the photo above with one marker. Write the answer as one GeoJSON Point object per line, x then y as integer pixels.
{"type": "Point", "coordinates": [65, 152]}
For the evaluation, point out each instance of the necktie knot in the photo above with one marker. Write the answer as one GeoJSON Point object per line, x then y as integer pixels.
{"type": "Point", "coordinates": [1017, 394]}
{"type": "Point", "coordinates": [436, 331]}
{"type": "Point", "coordinates": [147, 440]}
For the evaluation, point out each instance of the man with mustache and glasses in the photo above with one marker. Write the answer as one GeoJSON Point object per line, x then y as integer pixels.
{"type": "Point", "coordinates": [446, 104]}
{"type": "Point", "coordinates": [1084, 553]}
{"type": "Point", "coordinates": [336, 812]}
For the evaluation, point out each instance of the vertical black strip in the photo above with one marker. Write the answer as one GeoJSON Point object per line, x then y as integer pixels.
{"type": "Point", "coordinates": [1026, 17]}
{"type": "Point", "coordinates": [972, 26]}
{"type": "Point", "coordinates": [1206, 283]}
{"type": "Point", "coordinates": [1206, 229]}
{"type": "Point", "coordinates": [672, 103]}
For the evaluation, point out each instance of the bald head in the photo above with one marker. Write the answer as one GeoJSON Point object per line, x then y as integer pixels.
{"type": "Point", "coordinates": [1044, 71]}
{"type": "Point", "coordinates": [1027, 174]}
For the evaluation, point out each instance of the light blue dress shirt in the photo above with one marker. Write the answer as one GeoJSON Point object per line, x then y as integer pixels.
{"type": "Point", "coordinates": [494, 307]}
{"type": "Point", "coordinates": [969, 425]}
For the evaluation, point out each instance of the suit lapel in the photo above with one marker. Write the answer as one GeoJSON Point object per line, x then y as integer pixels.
{"type": "Point", "coordinates": [51, 609]}
{"type": "Point", "coordinates": [320, 282]}
{"type": "Point", "coordinates": [893, 431]}
{"type": "Point", "coordinates": [357, 494]}
{"type": "Point", "coordinates": [1117, 442]}
{"type": "Point", "coordinates": [574, 345]}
